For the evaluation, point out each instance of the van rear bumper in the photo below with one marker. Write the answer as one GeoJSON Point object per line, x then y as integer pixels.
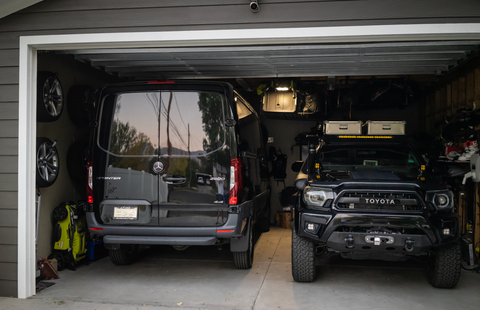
{"type": "Point", "coordinates": [123, 234]}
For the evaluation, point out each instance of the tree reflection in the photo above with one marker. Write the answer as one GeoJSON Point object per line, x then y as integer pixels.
{"type": "Point", "coordinates": [125, 140]}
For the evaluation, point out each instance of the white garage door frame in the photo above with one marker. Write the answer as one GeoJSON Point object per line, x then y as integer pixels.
{"type": "Point", "coordinates": [29, 45]}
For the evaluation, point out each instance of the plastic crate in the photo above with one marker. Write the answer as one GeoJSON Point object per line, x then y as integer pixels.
{"type": "Point", "coordinates": [386, 128]}
{"type": "Point", "coordinates": [342, 127]}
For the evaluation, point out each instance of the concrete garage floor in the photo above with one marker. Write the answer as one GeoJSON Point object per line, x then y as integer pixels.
{"type": "Point", "coordinates": [205, 278]}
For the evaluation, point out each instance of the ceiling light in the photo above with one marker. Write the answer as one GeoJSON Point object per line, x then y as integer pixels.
{"type": "Point", "coordinates": [282, 88]}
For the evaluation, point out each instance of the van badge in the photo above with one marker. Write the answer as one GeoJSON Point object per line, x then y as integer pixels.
{"type": "Point", "coordinates": [158, 167]}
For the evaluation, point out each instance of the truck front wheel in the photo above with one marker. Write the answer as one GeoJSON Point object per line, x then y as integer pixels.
{"type": "Point", "coordinates": [303, 258]}
{"type": "Point", "coordinates": [444, 266]}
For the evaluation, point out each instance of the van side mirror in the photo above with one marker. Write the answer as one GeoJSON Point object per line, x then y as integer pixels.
{"type": "Point", "coordinates": [297, 166]}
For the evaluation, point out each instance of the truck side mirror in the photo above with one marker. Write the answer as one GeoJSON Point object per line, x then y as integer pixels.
{"type": "Point", "coordinates": [297, 166]}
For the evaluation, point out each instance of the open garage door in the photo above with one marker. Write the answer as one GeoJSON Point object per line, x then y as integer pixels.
{"type": "Point", "coordinates": [236, 55]}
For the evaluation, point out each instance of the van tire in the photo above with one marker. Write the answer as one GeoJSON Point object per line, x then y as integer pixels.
{"type": "Point", "coordinates": [303, 258]}
{"type": "Point", "coordinates": [244, 259]}
{"type": "Point", "coordinates": [125, 255]}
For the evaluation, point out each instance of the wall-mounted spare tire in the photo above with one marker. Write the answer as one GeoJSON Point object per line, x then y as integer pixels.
{"type": "Point", "coordinates": [49, 97]}
{"type": "Point", "coordinates": [48, 162]}
{"type": "Point", "coordinates": [81, 104]}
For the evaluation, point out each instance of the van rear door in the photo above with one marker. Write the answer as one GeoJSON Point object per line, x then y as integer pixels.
{"type": "Point", "coordinates": [124, 179]}
{"type": "Point", "coordinates": [165, 155]}
{"type": "Point", "coordinates": [194, 149]}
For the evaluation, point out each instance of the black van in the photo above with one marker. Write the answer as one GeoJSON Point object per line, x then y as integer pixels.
{"type": "Point", "coordinates": [177, 163]}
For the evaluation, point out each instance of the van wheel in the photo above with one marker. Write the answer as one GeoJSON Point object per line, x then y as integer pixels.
{"type": "Point", "coordinates": [444, 266]}
{"type": "Point", "coordinates": [49, 97]}
{"type": "Point", "coordinates": [48, 163]}
{"type": "Point", "coordinates": [303, 258]}
{"type": "Point", "coordinates": [125, 255]}
{"type": "Point", "coordinates": [244, 260]}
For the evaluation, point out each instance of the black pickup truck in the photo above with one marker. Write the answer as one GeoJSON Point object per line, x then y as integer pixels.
{"type": "Point", "coordinates": [371, 196]}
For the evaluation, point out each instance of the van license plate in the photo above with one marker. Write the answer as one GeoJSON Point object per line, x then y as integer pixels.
{"type": "Point", "coordinates": [125, 213]}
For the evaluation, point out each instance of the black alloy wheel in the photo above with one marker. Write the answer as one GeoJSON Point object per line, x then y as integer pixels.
{"type": "Point", "coordinates": [48, 162]}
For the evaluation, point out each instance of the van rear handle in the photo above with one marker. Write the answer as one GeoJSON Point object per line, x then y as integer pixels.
{"type": "Point", "coordinates": [174, 179]}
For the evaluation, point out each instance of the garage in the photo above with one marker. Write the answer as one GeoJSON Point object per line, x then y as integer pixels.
{"type": "Point", "coordinates": [334, 57]}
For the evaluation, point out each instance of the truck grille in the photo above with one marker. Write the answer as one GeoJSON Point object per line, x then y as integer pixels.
{"type": "Point", "coordinates": [379, 200]}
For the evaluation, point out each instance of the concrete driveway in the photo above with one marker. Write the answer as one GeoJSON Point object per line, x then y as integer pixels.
{"type": "Point", "coordinates": [205, 278]}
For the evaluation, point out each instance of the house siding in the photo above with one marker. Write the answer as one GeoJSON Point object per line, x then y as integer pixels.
{"type": "Point", "coordinates": [93, 16]}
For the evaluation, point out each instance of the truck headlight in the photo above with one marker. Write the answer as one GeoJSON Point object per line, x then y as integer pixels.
{"type": "Point", "coordinates": [441, 200]}
{"type": "Point", "coordinates": [316, 196]}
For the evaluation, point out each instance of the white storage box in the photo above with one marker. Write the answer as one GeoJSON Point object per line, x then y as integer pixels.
{"type": "Point", "coordinates": [279, 101]}
{"type": "Point", "coordinates": [386, 127]}
{"type": "Point", "coordinates": [342, 127]}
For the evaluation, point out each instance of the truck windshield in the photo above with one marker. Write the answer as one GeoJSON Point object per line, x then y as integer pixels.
{"type": "Point", "coordinates": [398, 159]}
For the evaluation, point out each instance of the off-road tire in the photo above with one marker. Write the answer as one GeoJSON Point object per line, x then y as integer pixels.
{"type": "Point", "coordinates": [125, 255]}
{"type": "Point", "coordinates": [303, 258]}
{"type": "Point", "coordinates": [244, 260]}
{"type": "Point", "coordinates": [444, 266]}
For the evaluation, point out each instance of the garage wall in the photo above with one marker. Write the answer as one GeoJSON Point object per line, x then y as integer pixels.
{"type": "Point", "coordinates": [92, 16]}
{"type": "Point", "coordinates": [452, 99]}
{"type": "Point", "coordinates": [70, 72]}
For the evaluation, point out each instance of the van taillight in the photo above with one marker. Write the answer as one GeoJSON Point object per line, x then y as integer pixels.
{"type": "Point", "coordinates": [236, 188]}
{"type": "Point", "coordinates": [90, 182]}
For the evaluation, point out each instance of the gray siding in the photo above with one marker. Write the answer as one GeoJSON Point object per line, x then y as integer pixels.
{"type": "Point", "coordinates": [93, 16]}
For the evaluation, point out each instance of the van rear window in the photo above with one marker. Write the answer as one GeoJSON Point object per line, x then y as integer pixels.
{"type": "Point", "coordinates": [164, 123]}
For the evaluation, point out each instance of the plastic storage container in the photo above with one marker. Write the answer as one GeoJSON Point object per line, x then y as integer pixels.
{"type": "Point", "coordinates": [342, 127]}
{"type": "Point", "coordinates": [386, 127]}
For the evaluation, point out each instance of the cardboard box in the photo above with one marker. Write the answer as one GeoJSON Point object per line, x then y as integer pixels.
{"type": "Point", "coordinates": [286, 222]}
{"type": "Point", "coordinates": [54, 264]}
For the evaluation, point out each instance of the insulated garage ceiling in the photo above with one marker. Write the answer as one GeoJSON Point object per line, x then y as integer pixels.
{"type": "Point", "coordinates": [277, 61]}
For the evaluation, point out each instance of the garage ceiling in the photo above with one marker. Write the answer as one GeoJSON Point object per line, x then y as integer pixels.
{"type": "Point", "coordinates": [277, 61]}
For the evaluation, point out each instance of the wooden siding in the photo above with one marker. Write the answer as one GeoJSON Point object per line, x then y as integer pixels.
{"type": "Point", "coordinates": [93, 16]}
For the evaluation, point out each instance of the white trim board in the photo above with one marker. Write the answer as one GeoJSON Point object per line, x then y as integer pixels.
{"type": "Point", "coordinates": [248, 37]}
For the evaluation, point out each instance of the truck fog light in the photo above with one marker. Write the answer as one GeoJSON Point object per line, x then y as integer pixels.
{"type": "Point", "coordinates": [311, 227]}
{"type": "Point", "coordinates": [446, 231]}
